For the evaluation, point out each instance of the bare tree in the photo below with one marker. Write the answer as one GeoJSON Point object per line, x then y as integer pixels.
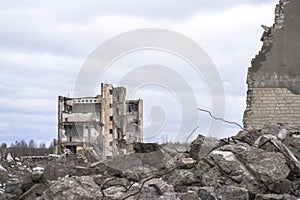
{"type": "Point", "coordinates": [22, 143]}
{"type": "Point", "coordinates": [32, 144]}
{"type": "Point", "coordinates": [42, 145]}
{"type": "Point", "coordinates": [51, 146]}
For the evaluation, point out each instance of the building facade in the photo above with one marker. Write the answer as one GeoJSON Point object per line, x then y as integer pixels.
{"type": "Point", "coordinates": [105, 125]}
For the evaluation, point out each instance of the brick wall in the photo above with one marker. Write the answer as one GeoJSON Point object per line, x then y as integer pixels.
{"type": "Point", "coordinates": [274, 76]}
{"type": "Point", "coordinates": [272, 105]}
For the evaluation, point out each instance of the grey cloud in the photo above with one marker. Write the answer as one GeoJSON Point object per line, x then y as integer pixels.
{"type": "Point", "coordinates": [56, 36]}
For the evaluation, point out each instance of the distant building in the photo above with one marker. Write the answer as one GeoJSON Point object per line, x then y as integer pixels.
{"type": "Point", "coordinates": [106, 125]}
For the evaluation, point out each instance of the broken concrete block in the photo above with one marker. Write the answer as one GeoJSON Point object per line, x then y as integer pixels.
{"type": "Point", "coordinates": [202, 146]}
{"type": "Point", "coordinates": [82, 187]}
{"type": "Point", "coordinates": [114, 192]}
{"type": "Point", "coordinates": [14, 188]}
{"type": "Point", "coordinates": [195, 147]}
{"type": "Point", "coordinates": [190, 195]}
{"type": "Point", "coordinates": [187, 163]}
{"type": "Point", "coordinates": [9, 158]}
{"type": "Point", "coordinates": [247, 136]}
{"type": "Point", "coordinates": [151, 193]}
{"type": "Point", "coordinates": [181, 177]}
{"type": "Point", "coordinates": [266, 166]}
{"type": "Point", "coordinates": [208, 145]}
{"type": "Point", "coordinates": [292, 141]}
{"type": "Point", "coordinates": [232, 193]}
{"type": "Point", "coordinates": [145, 147]}
{"type": "Point", "coordinates": [2, 168]}
{"type": "Point", "coordinates": [207, 193]}
{"type": "Point", "coordinates": [274, 197]}
{"type": "Point", "coordinates": [37, 173]}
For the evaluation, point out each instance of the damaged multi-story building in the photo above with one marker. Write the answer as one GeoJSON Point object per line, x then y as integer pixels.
{"type": "Point", "coordinates": [106, 125]}
{"type": "Point", "coordinates": [274, 76]}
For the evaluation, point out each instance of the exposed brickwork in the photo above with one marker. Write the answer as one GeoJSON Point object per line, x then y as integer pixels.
{"type": "Point", "coordinates": [272, 105]}
{"type": "Point", "coordinates": [274, 76]}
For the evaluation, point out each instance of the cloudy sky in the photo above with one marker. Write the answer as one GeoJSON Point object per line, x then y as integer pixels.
{"type": "Point", "coordinates": [43, 45]}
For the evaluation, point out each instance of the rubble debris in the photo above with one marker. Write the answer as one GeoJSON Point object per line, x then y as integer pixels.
{"type": "Point", "coordinates": [9, 158]}
{"type": "Point", "coordinates": [232, 193]}
{"type": "Point", "coordinates": [158, 190]}
{"type": "Point", "coordinates": [261, 162]}
{"type": "Point", "coordinates": [82, 187]}
{"type": "Point", "coordinates": [187, 163]}
{"type": "Point", "coordinates": [37, 173]}
{"type": "Point", "coordinates": [274, 197]}
{"type": "Point", "coordinates": [190, 195]}
{"type": "Point", "coordinates": [2, 168]}
{"type": "Point", "coordinates": [145, 147]}
{"type": "Point", "coordinates": [241, 167]}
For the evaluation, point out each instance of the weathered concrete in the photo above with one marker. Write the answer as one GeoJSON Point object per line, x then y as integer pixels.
{"type": "Point", "coordinates": [274, 76]}
{"type": "Point", "coordinates": [103, 126]}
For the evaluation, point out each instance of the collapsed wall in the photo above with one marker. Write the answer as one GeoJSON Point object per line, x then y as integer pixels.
{"type": "Point", "coordinates": [273, 78]}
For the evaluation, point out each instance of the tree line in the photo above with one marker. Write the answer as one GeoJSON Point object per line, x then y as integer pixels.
{"type": "Point", "coordinates": [30, 144]}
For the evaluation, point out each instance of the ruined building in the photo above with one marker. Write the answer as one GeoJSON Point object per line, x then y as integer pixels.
{"type": "Point", "coordinates": [273, 78]}
{"type": "Point", "coordinates": [106, 125]}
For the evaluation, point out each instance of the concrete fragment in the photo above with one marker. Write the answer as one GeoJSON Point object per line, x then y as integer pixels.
{"type": "Point", "coordinates": [73, 188]}
{"type": "Point", "coordinates": [2, 168]}
{"type": "Point", "coordinates": [187, 163]}
{"type": "Point", "coordinates": [189, 195]}
{"type": "Point", "coordinates": [181, 177]}
{"type": "Point", "coordinates": [207, 193]}
{"type": "Point", "coordinates": [195, 147]}
{"type": "Point", "coordinates": [274, 197]}
{"type": "Point", "coordinates": [292, 141]}
{"type": "Point", "coordinates": [114, 192]}
{"type": "Point", "coordinates": [37, 173]}
{"type": "Point", "coordinates": [202, 146]}
{"type": "Point", "coordinates": [9, 158]}
{"type": "Point", "coordinates": [145, 147]}
{"type": "Point", "coordinates": [232, 193]}
{"type": "Point", "coordinates": [151, 193]}
{"type": "Point", "coordinates": [247, 136]}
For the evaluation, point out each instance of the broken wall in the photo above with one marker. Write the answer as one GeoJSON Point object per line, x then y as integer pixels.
{"type": "Point", "coordinates": [79, 123]}
{"type": "Point", "coordinates": [273, 78]}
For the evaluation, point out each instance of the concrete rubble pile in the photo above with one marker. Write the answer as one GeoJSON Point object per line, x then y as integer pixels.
{"type": "Point", "coordinates": [254, 164]}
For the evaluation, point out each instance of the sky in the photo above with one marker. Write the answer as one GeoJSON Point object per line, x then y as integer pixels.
{"type": "Point", "coordinates": [44, 44]}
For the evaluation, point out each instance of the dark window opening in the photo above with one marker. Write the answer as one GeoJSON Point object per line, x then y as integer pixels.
{"type": "Point", "coordinates": [111, 118]}
{"type": "Point", "coordinates": [110, 131]}
{"type": "Point", "coordinates": [73, 149]}
{"type": "Point", "coordinates": [110, 92]}
{"type": "Point", "coordinates": [110, 143]}
{"type": "Point", "coordinates": [66, 119]}
{"type": "Point", "coordinates": [110, 105]}
{"type": "Point", "coordinates": [68, 108]}
{"type": "Point", "coordinates": [132, 107]}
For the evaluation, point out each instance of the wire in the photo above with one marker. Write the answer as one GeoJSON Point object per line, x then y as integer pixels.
{"type": "Point", "coordinates": [218, 118]}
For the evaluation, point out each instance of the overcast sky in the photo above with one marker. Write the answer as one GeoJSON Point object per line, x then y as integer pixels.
{"type": "Point", "coordinates": [43, 45]}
